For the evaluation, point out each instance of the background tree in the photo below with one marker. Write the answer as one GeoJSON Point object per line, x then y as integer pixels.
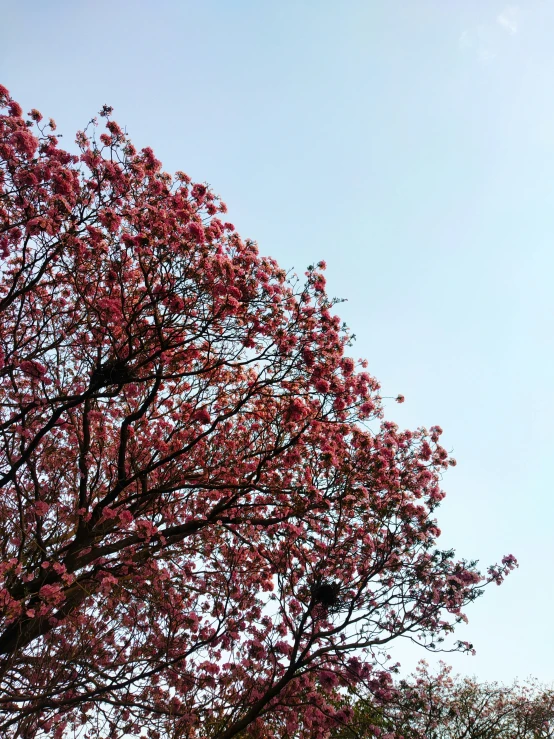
{"type": "Point", "coordinates": [204, 524]}
{"type": "Point", "coordinates": [439, 706]}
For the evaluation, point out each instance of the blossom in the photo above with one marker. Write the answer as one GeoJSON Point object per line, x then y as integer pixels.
{"type": "Point", "coordinates": [51, 594]}
{"type": "Point", "coordinates": [15, 108]}
{"type": "Point", "coordinates": [328, 679]}
{"type": "Point", "coordinates": [198, 191]}
{"type": "Point", "coordinates": [25, 143]}
{"type": "Point", "coordinates": [295, 410]}
{"type": "Point", "coordinates": [347, 365]}
{"type": "Point", "coordinates": [106, 583]}
{"type": "Point", "coordinates": [109, 513]}
{"type": "Point", "coordinates": [35, 369]}
{"type": "Point", "coordinates": [201, 415]}
{"type": "Point", "coordinates": [509, 561]}
{"type": "Point", "coordinates": [196, 231]}
{"type": "Point", "coordinates": [322, 386]}
{"type": "Point", "coordinates": [41, 508]}
{"type": "Point", "coordinates": [125, 517]}
{"type": "Point", "coordinates": [367, 407]}
{"type": "Point", "coordinates": [114, 129]}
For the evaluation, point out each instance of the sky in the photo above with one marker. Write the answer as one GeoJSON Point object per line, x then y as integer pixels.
{"type": "Point", "coordinates": [410, 145]}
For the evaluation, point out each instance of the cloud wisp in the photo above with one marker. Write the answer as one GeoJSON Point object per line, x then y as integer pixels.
{"type": "Point", "coordinates": [508, 20]}
{"type": "Point", "coordinates": [485, 39]}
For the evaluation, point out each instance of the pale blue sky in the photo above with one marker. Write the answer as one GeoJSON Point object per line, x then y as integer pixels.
{"type": "Point", "coordinates": [410, 145]}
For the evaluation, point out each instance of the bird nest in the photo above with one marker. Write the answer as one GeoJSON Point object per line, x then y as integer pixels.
{"type": "Point", "coordinates": [113, 372]}
{"type": "Point", "coordinates": [326, 595]}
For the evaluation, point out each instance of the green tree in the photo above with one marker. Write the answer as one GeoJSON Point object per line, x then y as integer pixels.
{"type": "Point", "coordinates": [438, 706]}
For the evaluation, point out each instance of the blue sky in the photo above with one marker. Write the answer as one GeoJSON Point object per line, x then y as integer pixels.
{"type": "Point", "coordinates": [411, 146]}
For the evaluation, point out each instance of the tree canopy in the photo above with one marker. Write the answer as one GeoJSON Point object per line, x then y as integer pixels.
{"type": "Point", "coordinates": [437, 705]}
{"type": "Point", "coordinates": [206, 524]}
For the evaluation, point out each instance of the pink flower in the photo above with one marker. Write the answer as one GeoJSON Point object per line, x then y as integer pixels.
{"type": "Point", "coordinates": [193, 621]}
{"type": "Point", "coordinates": [125, 518]}
{"type": "Point", "coordinates": [113, 128]}
{"type": "Point", "coordinates": [106, 583]}
{"type": "Point", "coordinates": [216, 227]}
{"type": "Point", "coordinates": [198, 191]}
{"type": "Point", "coordinates": [196, 231]}
{"type": "Point", "coordinates": [51, 593]}
{"type": "Point", "coordinates": [328, 679]}
{"type": "Point", "coordinates": [295, 411]}
{"type": "Point", "coordinates": [425, 450]}
{"type": "Point", "coordinates": [25, 142]}
{"type": "Point", "coordinates": [319, 283]}
{"type": "Point", "coordinates": [347, 365]}
{"type": "Point", "coordinates": [509, 561]}
{"type": "Point", "coordinates": [41, 508]}
{"type": "Point", "coordinates": [145, 528]}
{"type": "Point", "coordinates": [15, 108]}
{"type": "Point", "coordinates": [201, 415]}
{"type": "Point", "coordinates": [36, 369]}
{"type": "Point", "coordinates": [339, 404]}
{"type": "Point", "coordinates": [400, 399]}
{"type": "Point", "coordinates": [322, 386]}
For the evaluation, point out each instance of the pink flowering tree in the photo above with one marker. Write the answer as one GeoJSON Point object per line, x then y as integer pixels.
{"type": "Point", "coordinates": [206, 526]}
{"type": "Point", "coordinates": [439, 706]}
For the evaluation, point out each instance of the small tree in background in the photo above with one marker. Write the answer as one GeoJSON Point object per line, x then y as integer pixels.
{"type": "Point", "coordinates": [439, 706]}
{"type": "Point", "coordinates": [206, 526]}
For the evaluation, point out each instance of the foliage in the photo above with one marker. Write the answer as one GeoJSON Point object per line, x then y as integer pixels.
{"type": "Point", "coordinates": [438, 706]}
{"type": "Point", "coordinates": [187, 457]}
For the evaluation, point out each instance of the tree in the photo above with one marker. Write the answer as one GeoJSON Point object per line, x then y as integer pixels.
{"type": "Point", "coordinates": [200, 527]}
{"type": "Point", "coordinates": [439, 706]}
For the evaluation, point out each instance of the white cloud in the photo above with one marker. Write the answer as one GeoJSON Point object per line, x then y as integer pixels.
{"type": "Point", "coordinates": [508, 19]}
{"type": "Point", "coordinates": [483, 40]}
